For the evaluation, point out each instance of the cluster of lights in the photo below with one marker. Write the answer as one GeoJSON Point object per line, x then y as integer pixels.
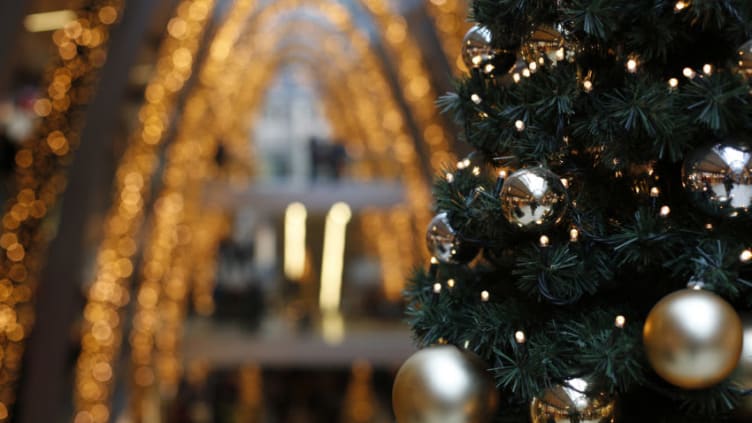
{"type": "Point", "coordinates": [208, 234]}
{"type": "Point", "coordinates": [187, 262]}
{"type": "Point", "coordinates": [223, 49]}
{"type": "Point", "coordinates": [414, 74]}
{"type": "Point", "coordinates": [109, 292]}
{"type": "Point", "coordinates": [372, 123]}
{"type": "Point", "coordinates": [450, 19]}
{"type": "Point", "coordinates": [81, 42]}
{"type": "Point", "coordinates": [521, 338]}
{"type": "Point", "coordinates": [392, 247]}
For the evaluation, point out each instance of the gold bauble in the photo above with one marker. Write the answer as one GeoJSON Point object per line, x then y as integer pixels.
{"type": "Point", "coordinates": [570, 402]}
{"type": "Point", "coordinates": [693, 338]}
{"type": "Point", "coordinates": [443, 384]}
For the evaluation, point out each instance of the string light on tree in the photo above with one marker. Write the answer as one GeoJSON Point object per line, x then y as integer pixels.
{"type": "Point", "coordinates": [689, 73]}
{"type": "Point", "coordinates": [632, 65]}
{"type": "Point", "coordinates": [620, 321]}
{"type": "Point", "coordinates": [485, 296]}
{"type": "Point", "coordinates": [745, 256]}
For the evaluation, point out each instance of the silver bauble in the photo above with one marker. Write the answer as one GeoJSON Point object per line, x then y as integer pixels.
{"type": "Point", "coordinates": [444, 243]}
{"type": "Point", "coordinates": [571, 402]}
{"type": "Point", "coordinates": [533, 198]}
{"type": "Point", "coordinates": [693, 338]}
{"type": "Point", "coordinates": [443, 384]}
{"type": "Point", "coordinates": [549, 43]}
{"type": "Point", "coordinates": [719, 179]}
{"type": "Point", "coordinates": [477, 48]}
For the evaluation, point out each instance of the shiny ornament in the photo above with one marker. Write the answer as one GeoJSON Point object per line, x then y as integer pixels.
{"type": "Point", "coordinates": [443, 384]}
{"type": "Point", "coordinates": [744, 59]}
{"type": "Point", "coordinates": [477, 48]}
{"type": "Point", "coordinates": [719, 179]}
{"type": "Point", "coordinates": [444, 243]}
{"type": "Point", "coordinates": [478, 51]}
{"type": "Point", "coordinates": [550, 44]}
{"type": "Point", "coordinates": [571, 402]}
{"type": "Point", "coordinates": [533, 198]}
{"type": "Point", "coordinates": [693, 338]}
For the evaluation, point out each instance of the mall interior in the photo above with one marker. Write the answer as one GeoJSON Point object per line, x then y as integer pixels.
{"type": "Point", "coordinates": [211, 207]}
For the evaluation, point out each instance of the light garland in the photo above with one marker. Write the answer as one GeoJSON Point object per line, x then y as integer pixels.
{"type": "Point", "coordinates": [450, 21]}
{"type": "Point", "coordinates": [177, 230]}
{"type": "Point", "coordinates": [109, 291]}
{"type": "Point", "coordinates": [40, 169]}
{"type": "Point", "coordinates": [414, 74]}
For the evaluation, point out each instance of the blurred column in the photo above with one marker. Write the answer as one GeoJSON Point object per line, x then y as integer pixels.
{"type": "Point", "coordinates": [49, 349]}
{"type": "Point", "coordinates": [11, 17]}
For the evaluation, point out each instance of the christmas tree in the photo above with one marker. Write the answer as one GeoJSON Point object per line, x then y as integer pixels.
{"type": "Point", "coordinates": [592, 255]}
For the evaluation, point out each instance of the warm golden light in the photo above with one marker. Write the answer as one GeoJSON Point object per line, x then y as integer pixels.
{"type": "Point", "coordinates": [632, 65]}
{"type": "Point", "coordinates": [332, 327]}
{"type": "Point", "coordinates": [333, 257]}
{"type": "Point", "coordinates": [745, 256]}
{"type": "Point", "coordinates": [520, 337]}
{"type": "Point", "coordinates": [48, 21]}
{"type": "Point", "coordinates": [295, 239]}
{"type": "Point", "coordinates": [620, 321]}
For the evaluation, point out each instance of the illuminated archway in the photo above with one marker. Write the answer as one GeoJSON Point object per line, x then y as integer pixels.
{"type": "Point", "coordinates": [163, 289]}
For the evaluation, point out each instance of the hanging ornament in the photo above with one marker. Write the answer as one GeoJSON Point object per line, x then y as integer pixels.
{"type": "Point", "coordinates": [443, 384]}
{"type": "Point", "coordinates": [549, 44]}
{"type": "Point", "coordinates": [745, 59]}
{"type": "Point", "coordinates": [693, 338]}
{"type": "Point", "coordinates": [572, 402]}
{"type": "Point", "coordinates": [719, 179]}
{"type": "Point", "coordinates": [444, 243]}
{"type": "Point", "coordinates": [478, 51]}
{"type": "Point", "coordinates": [533, 198]}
